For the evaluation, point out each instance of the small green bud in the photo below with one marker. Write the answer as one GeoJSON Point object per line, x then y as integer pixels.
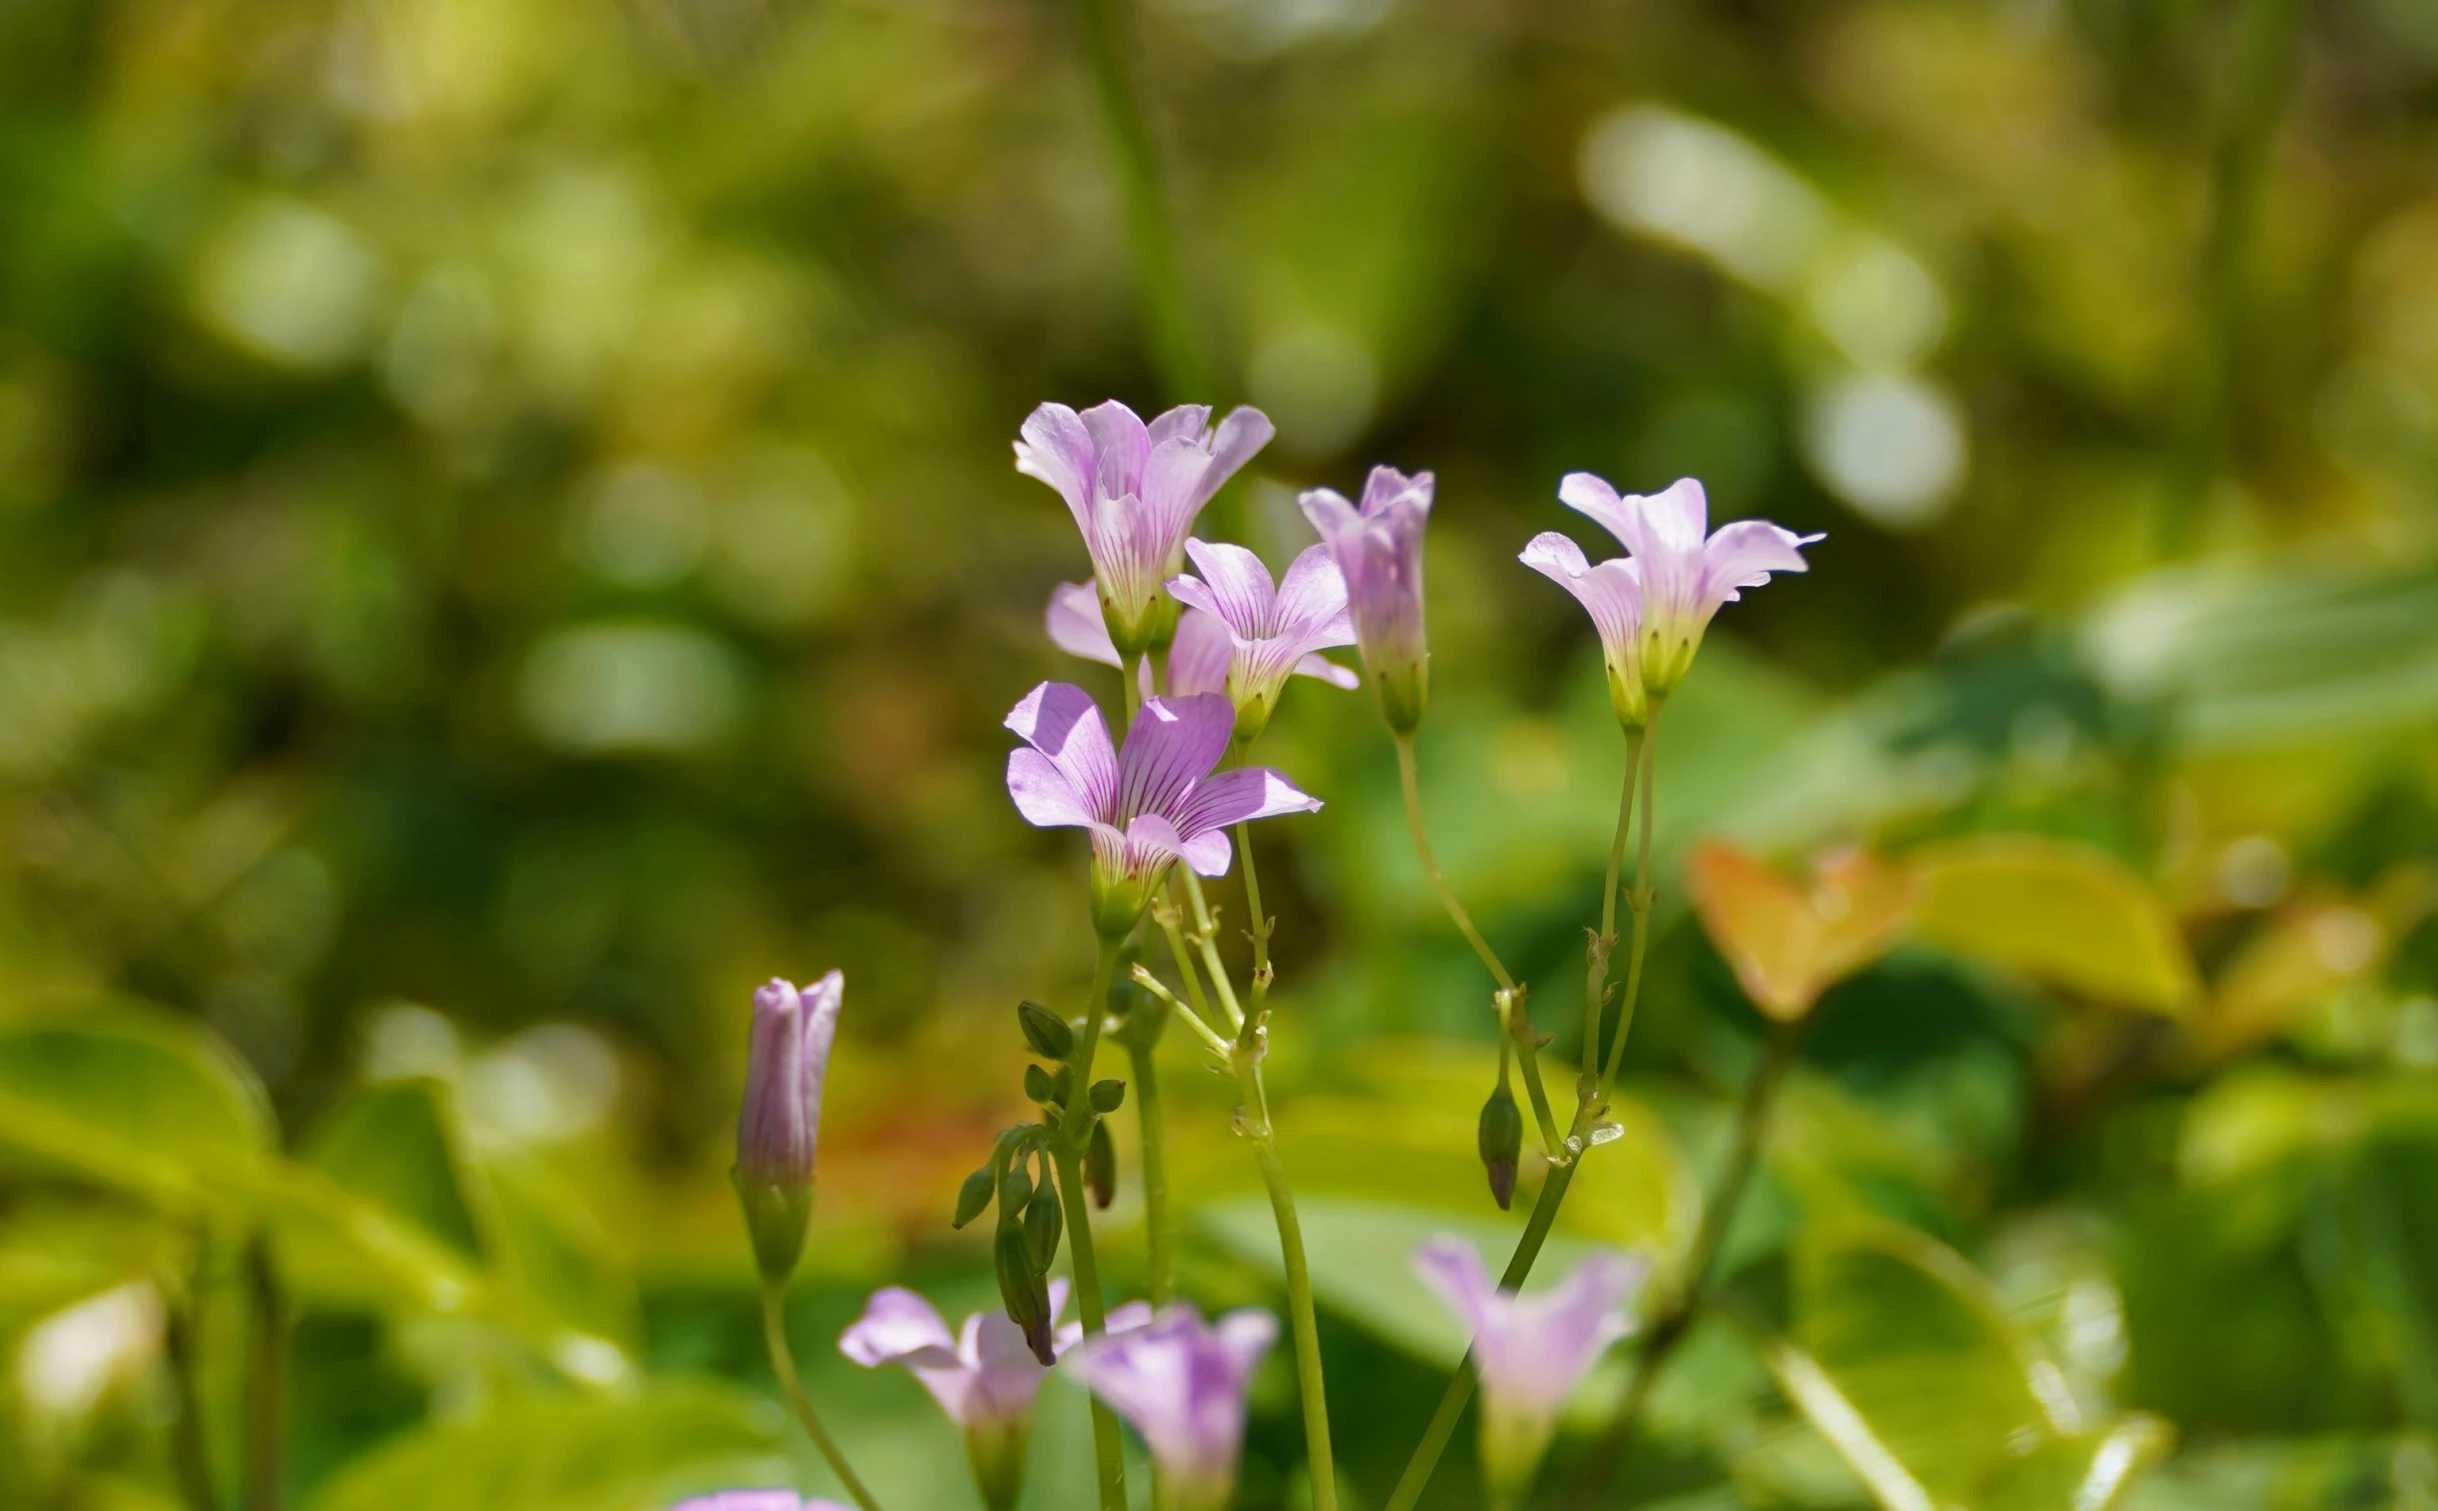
{"type": "Point", "coordinates": [1062, 1085]}
{"type": "Point", "coordinates": [1100, 1166]}
{"type": "Point", "coordinates": [1024, 1290]}
{"type": "Point", "coordinates": [1045, 1031]}
{"type": "Point", "coordinates": [1043, 1226]}
{"type": "Point", "coordinates": [1108, 1096]}
{"type": "Point", "coordinates": [1015, 1189]}
{"type": "Point", "coordinates": [1037, 1085]}
{"type": "Point", "coordinates": [1502, 1143]}
{"type": "Point", "coordinates": [973, 1196]}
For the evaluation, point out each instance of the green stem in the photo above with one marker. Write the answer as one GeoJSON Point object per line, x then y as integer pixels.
{"type": "Point", "coordinates": [1176, 344]}
{"type": "Point", "coordinates": [1207, 938]}
{"type": "Point", "coordinates": [1170, 926]}
{"type": "Point", "coordinates": [1299, 1278]}
{"type": "Point", "coordinates": [1261, 920]}
{"type": "Point", "coordinates": [1601, 1467]}
{"type": "Point", "coordinates": [266, 1383]}
{"type": "Point", "coordinates": [1513, 1017]}
{"type": "Point", "coordinates": [1430, 864]}
{"type": "Point", "coordinates": [1459, 1393]}
{"type": "Point", "coordinates": [1159, 1240]}
{"type": "Point", "coordinates": [783, 1364]}
{"type": "Point", "coordinates": [188, 1453]}
{"type": "Point", "coordinates": [1108, 1453]}
{"type": "Point", "coordinates": [1642, 900]}
{"type": "Point", "coordinates": [1595, 986]}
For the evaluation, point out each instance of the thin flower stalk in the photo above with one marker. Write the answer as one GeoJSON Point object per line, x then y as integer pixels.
{"type": "Point", "coordinates": [1604, 943]}
{"type": "Point", "coordinates": [783, 1364]}
{"type": "Point", "coordinates": [1303, 1320]}
{"type": "Point", "coordinates": [1067, 1153]}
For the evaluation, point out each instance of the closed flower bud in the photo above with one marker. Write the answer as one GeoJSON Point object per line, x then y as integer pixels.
{"type": "Point", "coordinates": [780, 1124]}
{"type": "Point", "coordinates": [1100, 1166]}
{"type": "Point", "coordinates": [1047, 1033]}
{"type": "Point", "coordinates": [1015, 1189]}
{"type": "Point", "coordinates": [1037, 1085]}
{"type": "Point", "coordinates": [1024, 1290]}
{"type": "Point", "coordinates": [1043, 1226]}
{"type": "Point", "coordinates": [1502, 1143]}
{"type": "Point", "coordinates": [1108, 1096]}
{"type": "Point", "coordinates": [973, 1196]}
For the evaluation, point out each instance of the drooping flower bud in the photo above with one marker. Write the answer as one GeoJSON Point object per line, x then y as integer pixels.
{"type": "Point", "coordinates": [1023, 1288]}
{"type": "Point", "coordinates": [1044, 1225]}
{"type": "Point", "coordinates": [1378, 548]}
{"type": "Point", "coordinates": [1047, 1033]}
{"type": "Point", "coordinates": [779, 1128]}
{"type": "Point", "coordinates": [1100, 1166]}
{"type": "Point", "coordinates": [1502, 1143]}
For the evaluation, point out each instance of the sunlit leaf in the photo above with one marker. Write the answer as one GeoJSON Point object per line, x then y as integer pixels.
{"type": "Point", "coordinates": [1789, 943]}
{"type": "Point", "coordinates": [573, 1453]}
{"type": "Point", "coordinates": [2085, 1472]}
{"type": "Point", "coordinates": [2065, 914]}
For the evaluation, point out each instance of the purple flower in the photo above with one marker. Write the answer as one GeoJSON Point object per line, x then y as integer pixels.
{"type": "Point", "coordinates": [1531, 1351]}
{"type": "Point", "coordinates": [1686, 574]}
{"type": "Point", "coordinates": [1148, 805]}
{"type": "Point", "coordinates": [1135, 491]}
{"type": "Point", "coordinates": [1273, 630]}
{"type": "Point", "coordinates": [1181, 1382]}
{"type": "Point", "coordinates": [780, 1125]}
{"type": "Point", "coordinates": [1198, 658]}
{"type": "Point", "coordinates": [1612, 593]}
{"type": "Point", "coordinates": [755, 1500]}
{"type": "Point", "coordinates": [1379, 553]}
{"type": "Point", "coordinates": [984, 1376]}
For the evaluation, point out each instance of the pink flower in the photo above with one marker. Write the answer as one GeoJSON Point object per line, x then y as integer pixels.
{"type": "Point", "coordinates": [1612, 594]}
{"type": "Point", "coordinates": [1685, 574]}
{"type": "Point", "coordinates": [1147, 806]}
{"type": "Point", "coordinates": [1378, 548]}
{"type": "Point", "coordinates": [755, 1500]}
{"type": "Point", "coordinates": [1273, 630]}
{"type": "Point", "coordinates": [984, 1376]}
{"type": "Point", "coordinates": [1198, 659]}
{"type": "Point", "coordinates": [780, 1125]}
{"type": "Point", "coordinates": [1181, 1382]}
{"type": "Point", "coordinates": [1135, 491]}
{"type": "Point", "coordinates": [1531, 1351]}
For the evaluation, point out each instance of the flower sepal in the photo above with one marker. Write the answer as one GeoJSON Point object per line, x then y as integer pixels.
{"type": "Point", "coordinates": [777, 1213]}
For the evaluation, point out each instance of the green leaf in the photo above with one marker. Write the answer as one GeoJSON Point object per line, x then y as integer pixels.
{"type": "Point", "coordinates": [2063, 914]}
{"type": "Point", "coordinates": [2087, 1472]}
{"type": "Point", "coordinates": [133, 1100]}
{"type": "Point", "coordinates": [573, 1453]}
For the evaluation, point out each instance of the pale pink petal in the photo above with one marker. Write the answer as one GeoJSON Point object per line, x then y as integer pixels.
{"type": "Point", "coordinates": [1057, 449]}
{"type": "Point", "coordinates": [1384, 485]}
{"type": "Point", "coordinates": [1061, 721]}
{"type": "Point", "coordinates": [1190, 422]}
{"type": "Point", "coordinates": [1743, 554]}
{"type": "Point", "coordinates": [1678, 515]}
{"type": "Point", "coordinates": [1328, 671]}
{"type": "Point", "coordinates": [1173, 744]}
{"type": "Point", "coordinates": [822, 1001]}
{"type": "Point", "coordinates": [1453, 1270]}
{"type": "Point", "coordinates": [1076, 625]}
{"type": "Point", "coordinates": [1173, 493]}
{"type": "Point", "coordinates": [898, 1326]}
{"type": "Point", "coordinates": [1237, 586]}
{"type": "Point", "coordinates": [1151, 842]}
{"type": "Point", "coordinates": [1122, 443]}
{"type": "Point", "coordinates": [1198, 657]}
{"type": "Point", "coordinates": [1610, 592]}
{"type": "Point", "coordinates": [1043, 794]}
{"type": "Point", "coordinates": [1329, 512]}
{"type": "Point", "coordinates": [1246, 1336]}
{"type": "Point", "coordinates": [1209, 853]}
{"type": "Point", "coordinates": [1244, 432]}
{"type": "Point", "coordinates": [1589, 494]}
{"type": "Point", "coordinates": [1312, 592]}
{"type": "Point", "coordinates": [1245, 793]}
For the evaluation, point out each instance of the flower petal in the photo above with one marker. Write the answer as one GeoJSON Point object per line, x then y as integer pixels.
{"type": "Point", "coordinates": [1679, 515]}
{"type": "Point", "coordinates": [1043, 794]}
{"type": "Point", "coordinates": [1174, 744]}
{"type": "Point", "coordinates": [1610, 592]}
{"type": "Point", "coordinates": [1076, 626]}
{"type": "Point", "coordinates": [1590, 494]}
{"type": "Point", "coordinates": [1386, 484]}
{"type": "Point", "coordinates": [1191, 422]}
{"type": "Point", "coordinates": [1247, 792]}
{"type": "Point", "coordinates": [1242, 434]}
{"type": "Point", "coordinates": [1055, 448]}
{"type": "Point", "coordinates": [1743, 554]}
{"type": "Point", "coordinates": [1122, 445]}
{"type": "Point", "coordinates": [1312, 593]}
{"type": "Point", "coordinates": [1452, 1268]}
{"type": "Point", "coordinates": [1209, 853]}
{"type": "Point", "coordinates": [1061, 721]}
{"type": "Point", "coordinates": [1328, 671]}
{"type": "Point", "coordinates": [1237, 586]}
{"type": "Point", "coordinates": [1245, 1336]}
{"type": "Point", "coordinates": [1328, 511]}
{"type": "Point", "coordinates": [898, 1326]}
{"type": "Point", "coordinates": [822, 1001]}
{"type": "Point", "coordinates": [1198, 657]}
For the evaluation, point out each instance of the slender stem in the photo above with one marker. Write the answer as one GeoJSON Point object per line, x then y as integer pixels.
{"type": "Point", "coordinates": [1108, 1453]}
{"type": "Point", "coordinates": [783, 1364]}
{"type": "Point", "coordinates": [1595, 986]}
{"type": "Point", "coordinates": [1159, 1237]}
{"type": "Point", "coordinates": [1606, 1459]}
{"type": "Point", "coordinates": [1207, 938]}
{"type": "Point", "coordinates": [1210, 1037]}
{"type": "Point", "coordinates": [1075, 1125]}
{"type": "Point", "coordinates": [1299, 1278]}
{"type": "Point", "coordinates": [1459, 1393]}
{"type": "Point", "coordinates": [1151, 240]}
{"type": "Point", "coordinates": [1261, 920]}
{"type": "Point", "coordinates": [1528, 1050]}
{"type": "Point", "coordinates": [1167, 919]}
{"type": "Point", "coordinates": [188, 1454]}
{"type": "Point", "coordinates": [1430, 864]}
{"type": "Point", "coordinates": [266, 1383]}
{"type": "Point", "coordinates": [1641, 900]}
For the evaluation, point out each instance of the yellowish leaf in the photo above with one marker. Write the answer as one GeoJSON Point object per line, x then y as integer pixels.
{"type": "Point", "coordinates": [1789, 943]}
{"type": "Point", "coordinates": [2065, 914]}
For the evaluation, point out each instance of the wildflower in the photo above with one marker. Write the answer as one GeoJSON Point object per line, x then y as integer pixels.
{"type": "Point", "coordinates": [1686, 574]}
{"type": "Point", "coordinates": [781, 1123]}
{"type": "Point", "coordinates": [1273, 629]}
{"type": "Point", "coordinates": [1181, 1382]}
{"type": "Point", "coordinates": [1135, 491]}
{"type": "Point", "coordinates": [1611, 593]}
{"type": "Point", "coordinates": [984, 1376]}
{"type": "Point", "coordinates": [1531, 1351]}
{"type": "Point", "coordinates": [755, 1500]}
{"type": "Point", "coordinates": [1378, 548]}
{"type": "Point", "coordinates": [1198, 659]}
{"type": "Point", "coordinates": [1790, 942]}
{"type": "Point", "coordinates": [1148, 805]}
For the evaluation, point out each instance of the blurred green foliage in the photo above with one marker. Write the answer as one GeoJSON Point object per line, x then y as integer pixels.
{"type": "Point", "coordinates": [507, 539]}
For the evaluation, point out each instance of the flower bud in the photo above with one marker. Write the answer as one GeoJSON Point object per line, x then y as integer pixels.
{"type": "Point", "coordinates": [1037, 1085]}
{"type": "Point", "coordinates": [1100, 1166]}
{"type": "Point", "coordinates": [1024, 1290]}
{"type": "Point", "coordinates": [1015, 1189]}
{"type": "Point", "coordinates": [1047, 1033]}
{"type": "Point", "coordinates": [1044, 1225]}
{"type": "Point", "coordinates": [1502, 1143]}
{"type": "Point", "coordinates": [780, 1123]}
{"type": "Point", "coordinates": [973, 1196]}
{"type": "Point", "coordinates": [1108, 1096]}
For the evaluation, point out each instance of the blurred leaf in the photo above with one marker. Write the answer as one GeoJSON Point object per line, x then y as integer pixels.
{"type": "Point", "coordinates": [2065, 914]}
{"type": "Point", "coordinates": [573, 1453]}
{"type": "Point", "coordinates": [390, 1145]}
{"type": "Point", "coordinates": [2398, 1471]}
{"type": "Point", "coordinates": [2086, 1472]}
{"type": "Point", "coordinates": [1790, 944]}
{"type": "Point", "coordinates": [133, 1100]}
